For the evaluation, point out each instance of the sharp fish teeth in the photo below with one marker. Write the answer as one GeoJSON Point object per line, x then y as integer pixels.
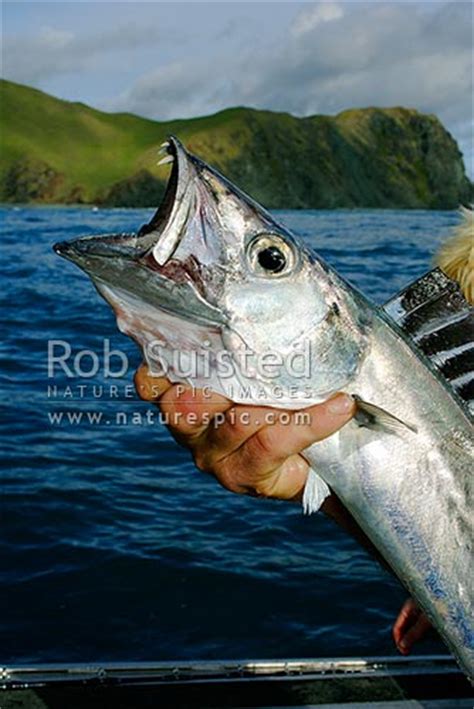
{"type": "Point", "coordinates": [164, 147]}
{"type": "Point", "coordinates": [165, 160]}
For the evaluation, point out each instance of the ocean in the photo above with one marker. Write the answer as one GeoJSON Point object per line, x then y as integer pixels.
{"type": "Point", "coordinates": [113, 546]}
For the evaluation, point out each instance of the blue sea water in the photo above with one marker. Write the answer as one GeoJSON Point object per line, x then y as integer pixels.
{"type": "Point", "coordinates": [113, 547]}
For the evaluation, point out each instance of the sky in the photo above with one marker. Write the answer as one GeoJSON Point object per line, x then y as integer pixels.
{"type": "Point", "coordinates": [177, 60]}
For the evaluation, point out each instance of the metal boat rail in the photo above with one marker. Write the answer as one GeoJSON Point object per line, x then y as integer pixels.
{"type": "Point", "coordinates": [194, 671]}
{"type": "Point", "coordinates": [428, 681]}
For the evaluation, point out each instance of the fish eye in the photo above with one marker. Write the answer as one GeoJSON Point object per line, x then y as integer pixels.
{"type": "Point", "coordinates": [270, 255]}
{"type": "Point", "coordinates": [272, 259]}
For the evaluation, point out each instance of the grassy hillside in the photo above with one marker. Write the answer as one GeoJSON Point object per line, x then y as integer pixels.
{"type": "Point", "coordinates": [56, 151]}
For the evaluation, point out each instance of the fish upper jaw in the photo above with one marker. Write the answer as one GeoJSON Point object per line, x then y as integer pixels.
{"type": "Point", "coordinates": [160, 236]}
{"type": "Point", "coordinates": [141, 266]}
{"type": "Point", "coordinates": [194, 237]}
{"type": "Point", "coordinates": [169, 222]}
{"type": "Point", "coordinates": [202, 218]}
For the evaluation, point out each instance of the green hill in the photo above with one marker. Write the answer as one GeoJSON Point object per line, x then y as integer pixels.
{"type": "Point", "coordinates": [57, 151]}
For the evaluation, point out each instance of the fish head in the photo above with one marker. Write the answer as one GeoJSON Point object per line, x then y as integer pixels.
{"type": "Point", "coordinates": [214, 274]}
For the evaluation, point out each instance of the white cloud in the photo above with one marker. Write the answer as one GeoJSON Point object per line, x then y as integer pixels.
{"type": "Point", "coordinates": [380, 54]}
{"type": "Point", "coordinates": [376, 54]}
{"type": "Point", "coordinates": [50, 38]}
{"type": "Point", "coordinates": [315, 15]}
{"type": "Point", "coordinates": [333, 55]}
{"type": "Point", "coordinates": [51, 52]}
{"type": "Point", "coordinates": [172, 90]}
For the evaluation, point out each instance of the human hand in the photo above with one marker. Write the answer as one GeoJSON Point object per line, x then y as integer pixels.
{"type": "Point", "coordinates": [410, 626]}
{"type": "Point", "coordinates": [252, 450]}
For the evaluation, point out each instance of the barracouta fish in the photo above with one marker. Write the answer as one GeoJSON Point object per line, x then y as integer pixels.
{"type": "Point", "coordinates": [214, 272]}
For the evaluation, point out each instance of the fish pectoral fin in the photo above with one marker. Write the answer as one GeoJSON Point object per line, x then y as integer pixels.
{"type": "Point", "coordinates": [315, 492]}
{"type": "Point", "coordinates": [378, 419]}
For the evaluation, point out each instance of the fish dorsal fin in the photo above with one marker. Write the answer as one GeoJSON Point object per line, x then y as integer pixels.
{"type": "Point", "coordinates": [433, 312]}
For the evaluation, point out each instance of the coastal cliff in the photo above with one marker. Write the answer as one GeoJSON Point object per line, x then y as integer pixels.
{"type": "Point", "coordinates": [55, 151]}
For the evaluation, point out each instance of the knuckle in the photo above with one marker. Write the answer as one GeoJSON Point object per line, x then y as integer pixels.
{"type": "Point", "coordinates": [168, 408]}
{"type": "Point", "coordinates": [228, 476]}
{"type": "Point", "coordinates": [174, 409]}
{"type": "Point", "coordinates": [235, 421]}
{"type": "Point", "coordinates": [201, 461]}
{"type": "Point", "coordinates": [149, 388]}
{"type": "Point", "coordinates": [237, 489]}
{"type": "Point", "coordinates": [227, 432]}
{"type": "Point", "coordinates": [231, 486]}
{"type": "Point", "coordinates": [264, 442]}
{"type": "Point", "coordinates": [180, 409]}
{"type": "Point", "coordinates": [262, 488]}
{"type": "Point", "coordinates": [295, 466]}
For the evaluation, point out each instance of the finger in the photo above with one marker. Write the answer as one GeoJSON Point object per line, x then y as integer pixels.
{"type": "Point", "coordinates": [233, 429]}
{"type": "Point", "coordinates": [287, 482]}
{"type": "Point", "coordinates": [258, 466]}
{"type": "Point", "coordinates": [408, 614]}
{"type": "Point", "coordinates": [405, 622]}
{"type": "Point", "coordinates": [415, 633]}
{"type": "Point", "coordinates": [288, 432]}
{"type": "Point", "coordinates": [149, 388]}
{"type": "Point", "coordinates": [188, 412]}
{"type": "Point", "coordinates": [271, 445]}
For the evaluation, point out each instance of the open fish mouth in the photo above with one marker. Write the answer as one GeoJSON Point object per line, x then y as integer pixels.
{"type": "Point", "coordinates": [160, 235]}
{"type": "Point", "coordinates": [145, 265]}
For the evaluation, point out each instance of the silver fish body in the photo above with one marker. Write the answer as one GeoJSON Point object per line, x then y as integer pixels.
{"type": "Point", "coordinates": [214, 271]}
{"type": "Point", "coordinates": [411, 491]}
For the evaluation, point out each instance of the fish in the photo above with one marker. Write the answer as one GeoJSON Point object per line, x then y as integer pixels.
{"type": "Point", "coordinates": [256, 316]}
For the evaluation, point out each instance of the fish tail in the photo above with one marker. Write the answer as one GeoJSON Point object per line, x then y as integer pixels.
{"type": "Point", "coordinates": [456, 255]}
